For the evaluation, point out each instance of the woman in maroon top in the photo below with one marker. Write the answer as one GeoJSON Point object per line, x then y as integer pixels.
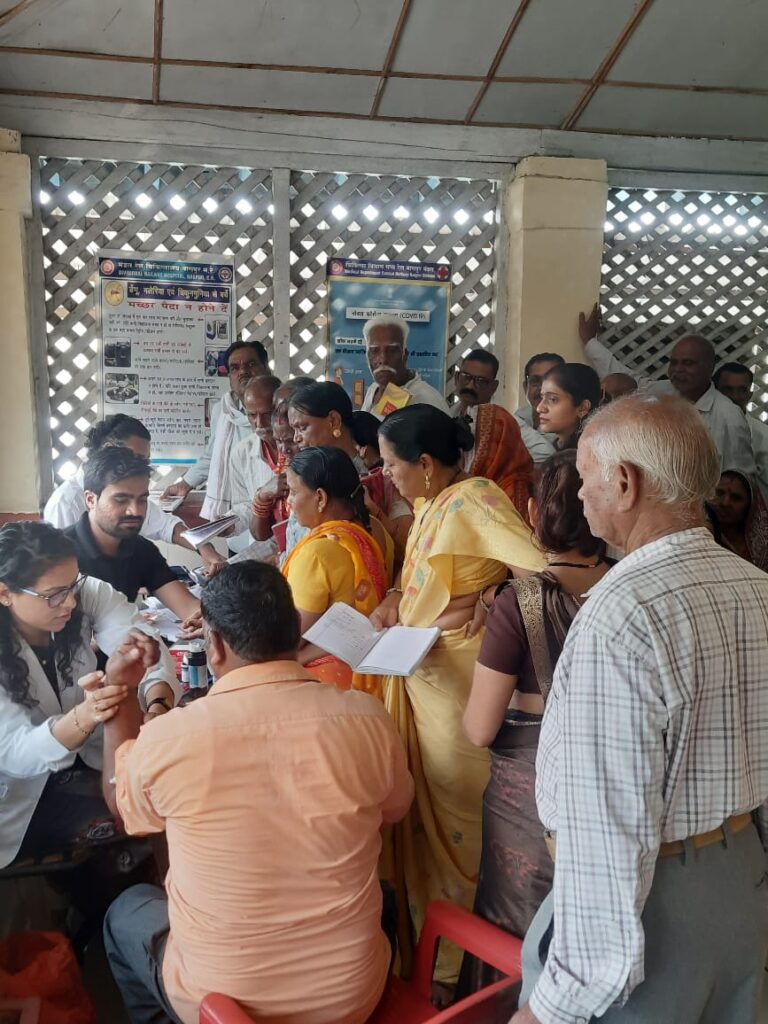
{"type": "Point", "coordinates": [525, 633]}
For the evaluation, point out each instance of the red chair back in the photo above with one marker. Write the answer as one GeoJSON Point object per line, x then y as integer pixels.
{"type": "Point", "coordinates": [410, 1002]}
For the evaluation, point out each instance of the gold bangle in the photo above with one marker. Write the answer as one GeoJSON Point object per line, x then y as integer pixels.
{"type": "Point", "coordinates": [85, 732]}
{"type": "Point", "coordinates": [486, 607]}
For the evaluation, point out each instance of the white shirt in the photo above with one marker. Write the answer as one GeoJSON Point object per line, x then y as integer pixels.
{"type": "Point", "coordinates": [249, 471]}
{"type": "Point", "coordinates": [540, 445]}
{"type": "Point", "coordinates": [28, 749]}
{"type": "Point", "coordinates": [654, 731]}
{"type": "Point", "coordinates": [723, 419]}
{"type": "Point", "coordinates": [758, 430]}
{"type": "Point", "coordinates": [66, 505]}
{"type": "Point", "coordinates": [421, 391]}
{"type": "Point", "coordinates": [197, 475]}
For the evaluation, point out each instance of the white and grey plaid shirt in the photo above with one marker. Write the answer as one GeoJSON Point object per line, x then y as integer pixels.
{"type": "Point", "coordinates": [656, 728]}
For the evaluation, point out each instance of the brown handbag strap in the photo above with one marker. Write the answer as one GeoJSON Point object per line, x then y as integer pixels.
{"type": "Point", "coordinates": [530, 598]}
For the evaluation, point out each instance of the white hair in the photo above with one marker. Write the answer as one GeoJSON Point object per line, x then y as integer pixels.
{"type": "Point", "coordinates": [386, 320]}
{"type": "Point", "coordinates": [665, 439]}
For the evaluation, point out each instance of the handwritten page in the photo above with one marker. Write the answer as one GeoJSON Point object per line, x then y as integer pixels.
{"type": "Point", "coordinates": [350, 637]}
{"type": "Point", "coordinates": [344, 633]}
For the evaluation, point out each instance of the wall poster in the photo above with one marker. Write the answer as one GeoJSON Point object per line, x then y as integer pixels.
{"type": "Point", "coordinates": [419, 293]}
{"type": "Point", "coordinates": [165, 324]}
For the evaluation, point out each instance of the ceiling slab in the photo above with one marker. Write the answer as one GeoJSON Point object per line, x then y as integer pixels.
{"type": "Point", "coordinates": [96, 26]}
{"type": "Point", "coordinates": [75, 75]}
{"type": "Point", "coordinates": [662, 112]}
{"type": "Point", "coordinates": [331, 33]}
{"type": "Point", "coordinates": [427, 98]}
{"type": "Point", "coordinates": [699, 42]}
{"type": "Point", "coordinates": [452, 37]}
{"type": "Point", "coordinates": [564, 40]}
{"type": "Point", "coordinates": [519, 103]}
{"type": "Point", "coordinates": [341, 58]}
{"type": "Point", "coordinates": [276, 90]}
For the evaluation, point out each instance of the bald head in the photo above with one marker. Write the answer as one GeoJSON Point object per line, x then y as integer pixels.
{"type": "Point", "coordinates": [617, 385]}
{"type": "Point", "coordinates": [691, 365]}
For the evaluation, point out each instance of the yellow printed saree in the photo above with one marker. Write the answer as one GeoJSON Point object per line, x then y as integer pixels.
{"type": "Point", "coordinates": [460, 543]}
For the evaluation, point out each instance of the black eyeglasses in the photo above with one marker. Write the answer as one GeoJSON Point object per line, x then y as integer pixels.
{"type": "Point", "coordinates": [473, 378]}
{"type": "Point", "coordinates": [58, 597]}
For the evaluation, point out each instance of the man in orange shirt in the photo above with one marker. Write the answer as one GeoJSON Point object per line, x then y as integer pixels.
{"type": "Point", "coordinates": [272, 791]}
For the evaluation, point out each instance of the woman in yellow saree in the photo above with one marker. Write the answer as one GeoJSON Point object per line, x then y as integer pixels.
{"type": "Point", "coordinates": [338, 560]}
{"type": "Point", "coordinates": [466, 533]}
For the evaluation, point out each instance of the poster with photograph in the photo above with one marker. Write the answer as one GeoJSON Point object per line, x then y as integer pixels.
{"type": "Point", "coordinates": [418, 293]}
{"type": "Point", "coordinates": [166, 323]}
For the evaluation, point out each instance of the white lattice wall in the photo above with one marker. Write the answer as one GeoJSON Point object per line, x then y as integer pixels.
{"type": "Point", "coordinates": [86, 205]}
{"type": "Point", "coordinates": [681, 262]}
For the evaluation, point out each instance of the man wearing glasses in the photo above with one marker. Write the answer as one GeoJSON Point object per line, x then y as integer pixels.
{"type": "Point", "coordinates": [475, 380]}
{"type": "Point", "coordinates": [500, 451]}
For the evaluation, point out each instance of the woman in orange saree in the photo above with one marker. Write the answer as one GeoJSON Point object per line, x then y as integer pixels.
{"type": "Point", "coordinates": [500, 455]}
{"type": "Point", "coordinates": [338, 560]}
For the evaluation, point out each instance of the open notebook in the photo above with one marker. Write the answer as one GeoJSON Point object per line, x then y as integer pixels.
{"type": "Point", "coordinates": [349, 636]}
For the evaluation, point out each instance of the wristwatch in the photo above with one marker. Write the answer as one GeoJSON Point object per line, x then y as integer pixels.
{"type": "Point", "coordinates": [158, 700]}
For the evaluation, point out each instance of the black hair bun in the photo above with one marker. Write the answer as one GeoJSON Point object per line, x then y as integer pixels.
{"type": "Point", "coordinates": [462, 432]}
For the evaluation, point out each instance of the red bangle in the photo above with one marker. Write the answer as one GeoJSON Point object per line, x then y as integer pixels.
{"type": "Point", "coordinates": [261, 509]}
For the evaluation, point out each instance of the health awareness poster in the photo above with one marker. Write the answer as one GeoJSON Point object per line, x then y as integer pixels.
{"type": "Point", "coordinates": [165, 324]}
{"type": "Point", "coordinates": [419, 293]}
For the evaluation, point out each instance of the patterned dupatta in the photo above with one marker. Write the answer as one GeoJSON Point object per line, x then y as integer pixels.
{"type": "Point", "coordinates": [366, 555]}
{"type": "Point", "coordinates": [547, 613]}
{"type": "Point", "coordinates": [501, 455]}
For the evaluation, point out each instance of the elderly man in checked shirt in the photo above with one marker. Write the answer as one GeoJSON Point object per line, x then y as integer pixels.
{"type": "Point", "coordinates": [652, 767]}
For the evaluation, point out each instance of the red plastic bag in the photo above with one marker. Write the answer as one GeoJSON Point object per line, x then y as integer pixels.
{"type": "Point", "coordinates": [43, 964]}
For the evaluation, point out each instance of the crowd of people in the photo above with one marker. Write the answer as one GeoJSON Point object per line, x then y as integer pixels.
{"type": "Point", "coordinates": [579, 758]}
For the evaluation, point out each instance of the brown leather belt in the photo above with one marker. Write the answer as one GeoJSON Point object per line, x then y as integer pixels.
{"type": "Point", "coordinates": [736, 823]}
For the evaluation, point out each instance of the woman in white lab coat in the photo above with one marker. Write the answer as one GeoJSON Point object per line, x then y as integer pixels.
{"type": "Point", "coordinates": [52, 702]}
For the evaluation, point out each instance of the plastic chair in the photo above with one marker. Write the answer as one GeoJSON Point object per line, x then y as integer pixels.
{"type": "Point", "coordinates": [408, 1002]}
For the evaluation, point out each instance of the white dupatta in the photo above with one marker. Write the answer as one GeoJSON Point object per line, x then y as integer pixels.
{"type": "Point", "coordinates": [218, 496]}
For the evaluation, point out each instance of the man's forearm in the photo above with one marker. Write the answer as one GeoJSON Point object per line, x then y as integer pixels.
{"type": "Point", "coordinates": [124, 726]}
{"type": "Point", "coordinates": [177, 597]}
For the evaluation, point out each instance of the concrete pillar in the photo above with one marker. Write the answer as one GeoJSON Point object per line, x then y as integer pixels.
{"type": "Point", "coordinates": [19, 464]}
{"type": "Point", "coordinates": [553, 215]}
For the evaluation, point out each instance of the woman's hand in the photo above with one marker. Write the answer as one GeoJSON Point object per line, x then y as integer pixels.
{"type": "Point", "coordinates": [127, 665]}
{"type": "Point", "coordinates": [101, 700]}
{"type": "Point", "coordinates": [388, 612]}
{"type": "Point", "coordinates": [483, 605]}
